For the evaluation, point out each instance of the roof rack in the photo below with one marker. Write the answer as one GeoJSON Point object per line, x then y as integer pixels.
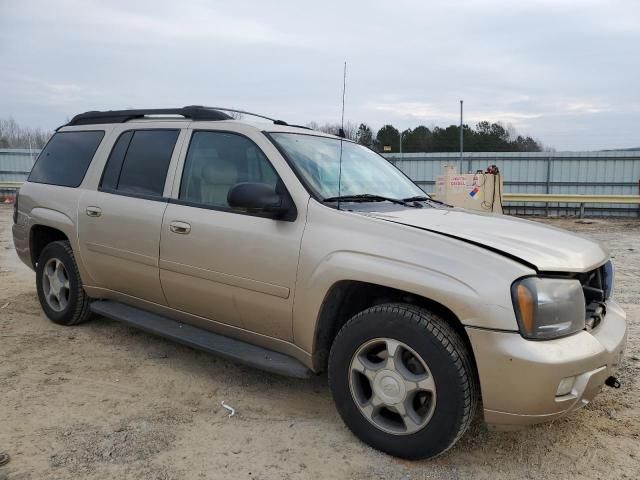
{"type": "Point", "coordinates": [122, 116]}
{"type": "Point", "coordinates": [192, 112]}
{"type": "Point", "coordinates": [223, 109]}
{"type": "Point", "coordinates": [243, 112]}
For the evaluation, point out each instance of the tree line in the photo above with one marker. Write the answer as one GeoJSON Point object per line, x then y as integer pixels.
{"type": "Point", "coordinates": [13, 135]}
{"type": "Point", "coordinates": [484, 137]}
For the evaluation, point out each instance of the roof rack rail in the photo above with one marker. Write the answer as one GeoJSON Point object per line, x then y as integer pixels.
{"type": "Point", "coordinates": [244, 112]}
{"type": "Point", "coordinates": [193, 112]}
{"type": "Point", "coordinates": [122, 116]}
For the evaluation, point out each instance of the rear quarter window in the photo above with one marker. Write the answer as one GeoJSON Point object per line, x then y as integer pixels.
{"type": "Point", "coordinates": [66, 158]}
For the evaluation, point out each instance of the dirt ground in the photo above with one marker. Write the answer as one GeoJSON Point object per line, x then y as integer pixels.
{"type": "Point", "coordinates": [104, 401]}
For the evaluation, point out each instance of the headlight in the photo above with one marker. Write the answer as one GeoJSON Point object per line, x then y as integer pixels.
{"type": "Point", "coordinates": [609, 273]}
{"type": "Point", "coordinates": [548, 307]}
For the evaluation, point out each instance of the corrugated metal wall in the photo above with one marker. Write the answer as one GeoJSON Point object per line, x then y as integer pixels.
{"type": "Point", "coordinates": [616, 173]}
{"type": "Point", "coordinates": [15, 164]}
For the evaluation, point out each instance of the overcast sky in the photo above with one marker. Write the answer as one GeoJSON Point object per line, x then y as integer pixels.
{"type": "Point", "coordinates": [566, 72]}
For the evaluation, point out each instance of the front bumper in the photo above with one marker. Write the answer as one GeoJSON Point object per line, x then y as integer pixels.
{"type": "Point", "coordinates": [519, 378]}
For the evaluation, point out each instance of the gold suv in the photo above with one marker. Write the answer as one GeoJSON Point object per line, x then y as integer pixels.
{"type": "Point", "coordinates": [299, 252]}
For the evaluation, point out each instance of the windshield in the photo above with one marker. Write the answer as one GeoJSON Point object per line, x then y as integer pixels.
{"type": "Point", "coordinates": [317, 160]}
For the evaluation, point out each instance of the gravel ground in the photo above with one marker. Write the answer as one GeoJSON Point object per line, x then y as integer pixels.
{"type": "Point", "coordinates": [104, 401]}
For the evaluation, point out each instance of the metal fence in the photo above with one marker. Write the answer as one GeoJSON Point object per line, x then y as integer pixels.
{"type": "Point", "coordinates": [588, 173]}
{"type": "Point", "coordinates": [15, 165]}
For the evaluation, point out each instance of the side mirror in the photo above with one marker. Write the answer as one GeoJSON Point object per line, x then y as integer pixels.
{"type": "Point", "coordinates": [258, 198]}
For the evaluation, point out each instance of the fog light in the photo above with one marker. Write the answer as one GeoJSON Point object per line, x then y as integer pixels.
{"type": "Point", "coordinates": [565, 386]}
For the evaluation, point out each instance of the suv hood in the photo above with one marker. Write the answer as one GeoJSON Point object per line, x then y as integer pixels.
{"type": "Point", "coordinates": [546, 248]}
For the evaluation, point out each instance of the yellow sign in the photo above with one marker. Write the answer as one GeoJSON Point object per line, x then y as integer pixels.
{"type": "Point", "coordinates": [387, 148]}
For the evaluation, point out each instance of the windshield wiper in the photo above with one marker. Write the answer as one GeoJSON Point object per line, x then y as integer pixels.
{"type": "Point", "coordinates": [422, 198]}
{"type": "Point", "coordinates": [366, 197]}
{"type": "Point", "coordinates": [417, 198]}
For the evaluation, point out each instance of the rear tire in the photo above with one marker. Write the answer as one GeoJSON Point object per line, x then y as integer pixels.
{"type": "Point", "coordinates": [59, 286]}
{"type": "Point", "coordinates": [403, 380]}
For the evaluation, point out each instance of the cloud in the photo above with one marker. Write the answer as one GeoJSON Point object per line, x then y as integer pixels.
{"type": "Point", "coordinates": [559, 70]}
{"type": "Point", "coordinates": [585, 107]}
{"type": "Point", "coordinates": [426, 112]}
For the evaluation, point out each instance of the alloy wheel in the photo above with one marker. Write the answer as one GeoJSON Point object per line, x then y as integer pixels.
{"type": "Point", "coordinates": [55, 285]}
{"type": "Point", "coordinates": [392, 386]}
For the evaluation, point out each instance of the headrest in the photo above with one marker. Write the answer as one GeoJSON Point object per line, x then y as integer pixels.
{"type": "Point", "coordinates": [221, 172]}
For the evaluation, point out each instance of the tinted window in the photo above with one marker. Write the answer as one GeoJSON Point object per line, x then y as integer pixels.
{"type": "Point", "coordinates": [217, 161]}
{"type": "Point", "coordinates": [139, 161]}
{"type": "Point", "coordinates": [65, 159]}
{"type": "Point", "coordinates": [114, 164]}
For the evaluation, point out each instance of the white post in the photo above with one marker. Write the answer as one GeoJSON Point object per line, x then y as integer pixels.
{"type": "Point", "coordinates": [461, 139]}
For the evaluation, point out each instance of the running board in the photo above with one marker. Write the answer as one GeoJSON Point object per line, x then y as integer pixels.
{"type": "Point", "coordinates": [201, 339]}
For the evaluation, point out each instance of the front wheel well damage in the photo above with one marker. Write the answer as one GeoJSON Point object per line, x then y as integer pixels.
{"type": "Point", "coordinates": [346, 298]}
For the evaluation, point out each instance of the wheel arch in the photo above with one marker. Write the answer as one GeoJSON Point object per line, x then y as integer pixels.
{"type": "Point", "coordinates": [40, 236]}
{"type": "Point", "coordinates": [345, 298]}
{"type": "Point", "coordinates": [47, 225]}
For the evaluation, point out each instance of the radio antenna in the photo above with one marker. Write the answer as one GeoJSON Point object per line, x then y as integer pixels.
{"type": "Point", "coordinates": [344, 89]}
{"type": "Point", "coordinates": [341, 132]}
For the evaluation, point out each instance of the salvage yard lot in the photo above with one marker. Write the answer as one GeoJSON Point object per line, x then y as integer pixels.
{"type": "Point", "coordinates": [103, 401]}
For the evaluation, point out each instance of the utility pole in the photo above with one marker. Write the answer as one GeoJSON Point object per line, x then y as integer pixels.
{"type": "Point", "coordinates": [461, 140]}
{"type": "Point", "coordinates": [400, 144]}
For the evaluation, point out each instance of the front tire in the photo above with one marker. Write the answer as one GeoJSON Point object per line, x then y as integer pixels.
{"type": "Point", "coordinates": [403, 380]}
{"type": "Point", "coordinates": [59, 286]}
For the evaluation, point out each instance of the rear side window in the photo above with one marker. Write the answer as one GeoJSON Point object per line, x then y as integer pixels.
{"type": "Point", "coordinates": [66, 158]}
{"type": "Point", "coordinates": [139, 162]}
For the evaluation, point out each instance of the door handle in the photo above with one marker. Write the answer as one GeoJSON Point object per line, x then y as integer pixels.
{"type": "Point", "coordinates": [94, 211]}
{"type": "Point", "coordinates": [180, 227]}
